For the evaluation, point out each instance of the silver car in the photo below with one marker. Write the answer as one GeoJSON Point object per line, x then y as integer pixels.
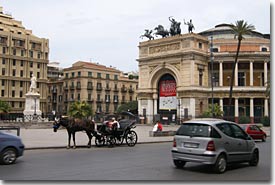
{"type": "Point", "coordinates": [213, 141]}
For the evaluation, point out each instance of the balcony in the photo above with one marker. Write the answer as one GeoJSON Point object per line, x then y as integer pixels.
{"type": "Point", "coordinates": [116, 90]}
{"type": "Point", "coordinates": [107, 101]}
{"type": "Point", "coordinates": [99, 101]}
{"type": "Point", "coordinates": [90, 100]}
{"type": "Point", "coordinates": [115, 101]}
{"type": "Point", "coordinates": [131, 90]}
{"type": "Point", "coordinates": [99, 88]}
{"type": "Point", "coordinates": [107, 89]}
{"type": "Point", "coordinates": [65, 88]}
{"type": "Point", "coordinates": [89, 87]}
{"type": "Point", "coordinates": [71, 87]}
{"type": "Point", "coordinates": [78, 87]}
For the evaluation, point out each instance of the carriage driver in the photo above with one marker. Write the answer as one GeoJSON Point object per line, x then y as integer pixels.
{"type": "Point", "coordinates": [115, 123]}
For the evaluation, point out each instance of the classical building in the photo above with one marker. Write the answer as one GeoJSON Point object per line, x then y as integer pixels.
{"type": "Point", "coordinates": [21, 55]}
{"type": "Point", "coordinates": [105, 88]}
{"type": "Point", "coordinates": [175, 75]}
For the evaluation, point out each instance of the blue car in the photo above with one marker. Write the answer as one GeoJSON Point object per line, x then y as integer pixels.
{"type": "Point", "coordinates": [11, 147]}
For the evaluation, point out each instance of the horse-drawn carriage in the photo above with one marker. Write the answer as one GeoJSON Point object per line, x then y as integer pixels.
{"type": "Point", "coordinates": [114, 135]}
{"type": "Point", "coordinates": [103, 135]}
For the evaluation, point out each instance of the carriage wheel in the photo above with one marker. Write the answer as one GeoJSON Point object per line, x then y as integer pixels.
{"type": "Point", "coordinates": [111, 141]}
{"type": "Point", "coordinates": [99, 141]}
{"type": "Point", "coordinates": [131, 138]}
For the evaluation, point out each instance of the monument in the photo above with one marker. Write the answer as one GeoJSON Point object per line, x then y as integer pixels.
{"type": "Point", "coordinates": [32, 110]}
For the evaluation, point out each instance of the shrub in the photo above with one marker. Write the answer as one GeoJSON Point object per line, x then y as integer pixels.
{"type": "Point", "coordinates": [244, 120]}
{"type": "Point", "coordinates": [265, 121]}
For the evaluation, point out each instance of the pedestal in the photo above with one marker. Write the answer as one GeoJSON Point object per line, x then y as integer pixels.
{"type": "Point", "coordinates": [32, 110]}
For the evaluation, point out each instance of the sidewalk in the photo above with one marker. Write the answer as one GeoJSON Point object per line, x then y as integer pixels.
{"type": "Point", "coordinates": [37, 137]}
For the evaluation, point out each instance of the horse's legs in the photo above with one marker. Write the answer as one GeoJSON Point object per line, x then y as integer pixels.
{"type": "Point", "coordinates": [74, 139]}
{"type": "Point", "coordinates": [69, 140]}
{"type": "Point", "coordinates": [90, 138]}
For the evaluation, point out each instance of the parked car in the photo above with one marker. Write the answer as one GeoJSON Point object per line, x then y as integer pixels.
{"type": "Point", "coordinates": [215, 142]}
{"type": "Point", "coordinates": [11, 147]}
{"type": "Point", "coordinates": [254, 131]}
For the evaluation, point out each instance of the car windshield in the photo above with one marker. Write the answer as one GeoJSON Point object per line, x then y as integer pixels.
{"type": "Point", "coordinates": [197, 130]}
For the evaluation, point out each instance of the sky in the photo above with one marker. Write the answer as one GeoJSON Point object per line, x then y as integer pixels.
{"type": "Point", "coordinates": [108, 31]}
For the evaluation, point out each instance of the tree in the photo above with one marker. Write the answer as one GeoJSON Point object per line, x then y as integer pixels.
{"type": "Point", "coordinates": [217, 112]}
{"type": "Point", "coordinates": [240, 29]}
{"type": "Point", "coordinates": [4, 107]}
{"type": "Point", "coordinates": [130, 106]}
{"type": "Point", "coordinates": [80, 110]}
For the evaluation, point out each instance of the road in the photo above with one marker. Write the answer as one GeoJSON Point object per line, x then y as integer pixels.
{"type": "Point", "coordinates": [142, 162]}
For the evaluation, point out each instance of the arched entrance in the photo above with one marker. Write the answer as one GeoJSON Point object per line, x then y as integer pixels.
{"type": "Point", "coordinates": [167, 99]}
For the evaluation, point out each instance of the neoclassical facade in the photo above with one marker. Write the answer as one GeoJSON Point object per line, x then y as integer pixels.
{"type": "Point", "coordinates": [175, 75]}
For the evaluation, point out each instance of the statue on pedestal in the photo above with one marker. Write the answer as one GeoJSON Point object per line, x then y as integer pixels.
{"type": "Point", "coordinates": [33, 84]}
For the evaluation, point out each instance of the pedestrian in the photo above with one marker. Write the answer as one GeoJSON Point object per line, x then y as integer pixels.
{"type": "Point", "coordinates": [157, 127]}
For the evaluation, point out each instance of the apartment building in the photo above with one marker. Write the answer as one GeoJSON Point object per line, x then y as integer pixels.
{"type": "Point", "coordinates": [105, 88]}
{"type": "Point", "coordinates": [176, 72]}
{"type": "Point", "coordinates": [21, 55]}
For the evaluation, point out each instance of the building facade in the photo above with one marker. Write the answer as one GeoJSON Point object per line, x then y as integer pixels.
{"type": "Point", "coordinates": [21, 55]}
{"type": "Point", "coordinates": [175, 75]}
{"type": "Point", "coordinates": [105, 88]}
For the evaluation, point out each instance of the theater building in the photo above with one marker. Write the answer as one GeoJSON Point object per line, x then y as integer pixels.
{"type": "Point", "coordinates": [175, 75]}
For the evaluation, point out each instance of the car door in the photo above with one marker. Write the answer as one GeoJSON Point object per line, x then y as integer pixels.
{"type": "Point", "coordinates": [242, 151]}
{"type": "Point", "coordinates": [229, 142]}
{"type": "Point", "coordinates": [257, 133]}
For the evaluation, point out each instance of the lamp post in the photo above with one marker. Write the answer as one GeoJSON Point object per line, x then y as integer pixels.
{"type": "Point", "coordinates": [211, 60]}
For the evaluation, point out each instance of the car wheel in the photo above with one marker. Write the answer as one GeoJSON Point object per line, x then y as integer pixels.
{"type": "Point", "coordinates": [8, 156]}
{"type": "Point", "coordinates": [179, 163]}
{"type": "Point", "coordinates": [255, 158]}
{"type": "Point", "coordinates": [220, 165]}
{"type": "Point", "coordinates": [264, 138]}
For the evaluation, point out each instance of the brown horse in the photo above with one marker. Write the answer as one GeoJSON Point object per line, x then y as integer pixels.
{"type": "Point", "coordinates": [74, 125]}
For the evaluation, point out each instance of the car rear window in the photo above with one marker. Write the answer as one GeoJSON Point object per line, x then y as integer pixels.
{"type": "Point", "coordinates": [197, 130]}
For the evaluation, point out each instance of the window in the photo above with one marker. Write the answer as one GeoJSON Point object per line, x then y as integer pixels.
{"type": "Point", "coordinates": [14, 51]}
{"type": "Point", "coordinates": [2, 93]}
{"type": "Point", "coordinates": [31, 64]}
{"type": "Point", "coordinates": [13, 93]}
{"type": "Point", "coordinates": [3, 82]}
{"type": "Point", "coordinates": [13, 83]}
{"type": "Point", "coordinates": [4, 50]}
{"type": "Point", "coordinates": [21, 94]}
{"type": "Point", "coordinates": [14, 62]}
{"type": "Point", "coordinates": [241, 79]}
{"type": "Point", "coordinates": [3, 71]}
{"type": "Point", "coordinates": [14, 72]}
{"type": "Point", "coordinates": [22, 52]}
{"type": "Point", "coordinates": [21, 63]}
{"type": "Point", "coordinates": [225, 128]}
{"type": "Point", "coordinates": [72, 74]}
{"type": "Point", "coordinates": [264, 49]}
{"type": "Point", "coordinates": [67, 75]}
{"type": "Point", "coordinates": [21, 73]}
{"type": "Point", "coordinates": [38, 75]}
{"type": "Point", "coordinates": [90, 74]}
{"type": "Point", "coordinates": [38, 66]}
{"type": "Point", "coordinates": [200, 45]}
{"type": "Point", "coordinates": [98, 75]}
{"type": "Point", "coordinates": [31, 54]}
{"type": "Point", "coordinates": [215, 79]}
{"type": "Point", "coordinates": [78, 97]}
{"type": "Point", "coordinates": [238, 132]}
{"type": "Point", "coordinates": [3, 61]}
{"type": "Point", "coordinates": [21, 83]}
{"type": "Point", "coordinates": [115, 77]}
{"type": "Point", "coordinates": [79, 73]}
{"type": "Point", "coordinates": [215, 50]}
{"type": "Point", "coordinates": [108, 76]}
{"type": "Point", "coordinates": [200, 77]}
{"type": "Point", "coordinates": [197, 130]}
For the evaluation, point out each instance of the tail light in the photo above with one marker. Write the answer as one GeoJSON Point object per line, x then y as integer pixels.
{"type": "Point", "coordinates": [174, 143]}
{"type": "Point", "coordinates": [210, 146]}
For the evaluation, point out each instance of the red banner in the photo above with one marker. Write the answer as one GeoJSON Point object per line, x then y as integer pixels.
{"type": "Point", "coordinates": [167, 88]}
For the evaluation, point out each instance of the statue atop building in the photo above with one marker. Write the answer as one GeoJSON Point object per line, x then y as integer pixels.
{"type": "Point", "coordinates": [175, 27]}
{"type": "Point", "coordinates": [190, 26]}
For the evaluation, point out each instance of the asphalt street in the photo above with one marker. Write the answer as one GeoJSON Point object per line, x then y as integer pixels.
{"type": "Point", "coordinates": [144, 162]}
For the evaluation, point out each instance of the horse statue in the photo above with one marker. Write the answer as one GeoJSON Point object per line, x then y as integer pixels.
{"type": "Point", "coordinates": [161, 31]}
{"type": "Point", "coordinates": [175, 27]}
{"type": "Point", "coordinates": [148, 34]}
{"type": "Point", "coordinates": [74, 125]}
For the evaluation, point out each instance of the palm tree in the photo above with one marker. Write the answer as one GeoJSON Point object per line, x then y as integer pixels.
{"type": "Point", "coordinates": [240, 29]}
{"type": "Point", "coordinates": [80, 110]}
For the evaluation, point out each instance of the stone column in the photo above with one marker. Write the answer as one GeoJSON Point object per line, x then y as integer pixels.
{"type": "Point", "coordinates": [236, 110]}
{"type": "Point", "coordinates": [155, 99]}
{"type": "Point", "coordinates": [236, 75]}
{"type": "Point", "coordinates": [221, 74]}
{"type": "Point", "coordinates": [266, 107]}
{"type": "Point", "coordinates": [251, 73]}
{"type": "Point", "coordinates": [265, 73]}
{"type": "Point", "coordinates": [251, 110]}
{"type": "Point", "coordinates": [221, 104]}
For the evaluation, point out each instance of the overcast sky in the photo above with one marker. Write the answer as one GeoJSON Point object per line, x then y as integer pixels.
{"type": "Point", "coordinates": [108, 31]}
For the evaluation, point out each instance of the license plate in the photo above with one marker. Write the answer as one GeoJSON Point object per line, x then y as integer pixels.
{"type": "Point", "coordinates": [191, 145]}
